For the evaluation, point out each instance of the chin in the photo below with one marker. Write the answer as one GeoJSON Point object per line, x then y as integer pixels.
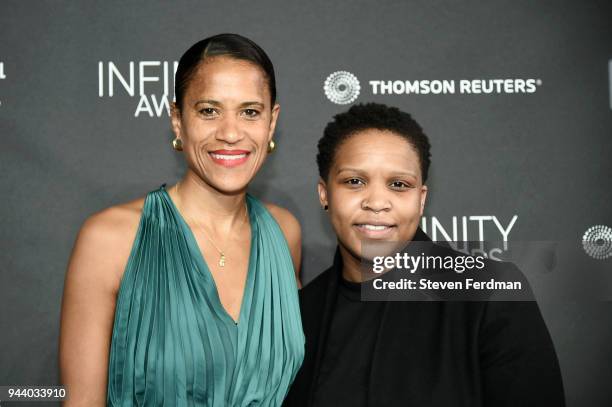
{"type": "Point", "coordinates": [229, 186]}
{"type": "Point", "coordinates": [230, 189]}
{"type": "Point", "coordinates": [366, 249]}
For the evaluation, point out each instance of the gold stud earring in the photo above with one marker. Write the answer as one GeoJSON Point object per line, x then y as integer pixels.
{"type": "Point", "coordinates": [271, 146]}
{"type": "Point", "coordinates": [177, 144]}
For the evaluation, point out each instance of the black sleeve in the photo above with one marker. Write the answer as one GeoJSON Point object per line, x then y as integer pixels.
{"type": "Point", "coordinates": [519, 365]}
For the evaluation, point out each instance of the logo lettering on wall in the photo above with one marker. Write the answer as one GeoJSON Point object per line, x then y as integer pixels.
{"type": "Point", "coordinates": [610, 81]}
{"type": "Point", "coordinates": [463, 86]}
{"type": "Point", "coordinates": [149, 81]}
{"type": "Point", "coordinates": [339, 87]}
{"type": "Point", "coordinates": [2, 75]}
{"type": "Point", "coordinates": [471, 228]}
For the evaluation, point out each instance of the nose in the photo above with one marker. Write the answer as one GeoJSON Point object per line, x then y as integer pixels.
{"type": "Point", "coordinates": [229, 130]}
{"type": "Point", "coordinates": [376, 200]}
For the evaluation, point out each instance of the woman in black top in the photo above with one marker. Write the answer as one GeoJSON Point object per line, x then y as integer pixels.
{"type": "Point", "coordinates": [373, 162]}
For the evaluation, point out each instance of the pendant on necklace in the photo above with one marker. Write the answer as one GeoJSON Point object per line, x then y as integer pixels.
{"type": "Point", "coordinates": [222, 260]}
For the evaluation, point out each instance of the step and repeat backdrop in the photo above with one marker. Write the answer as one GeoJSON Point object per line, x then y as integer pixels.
{"type": "Point", "coordinates": [516, 97]}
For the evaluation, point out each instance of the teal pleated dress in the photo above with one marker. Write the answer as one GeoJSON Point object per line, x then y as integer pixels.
{"type": "Point", "coordinates": [173, 343]}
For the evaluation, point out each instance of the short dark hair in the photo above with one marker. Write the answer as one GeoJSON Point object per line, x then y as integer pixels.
{"type": "Point", "coordinates": [230, 45]}
{"type": "Point", "coordinates": [362, 117]}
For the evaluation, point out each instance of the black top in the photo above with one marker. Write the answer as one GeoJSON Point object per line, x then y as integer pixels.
{"type": "Point", "coordinates": [426, 354]}
{"type": "Point", "coordinates": [344, 375]}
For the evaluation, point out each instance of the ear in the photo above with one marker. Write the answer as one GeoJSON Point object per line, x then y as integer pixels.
{"type": "Point", "coordinates": [273, 119]}
{"type": "Point", "coordinates": [423, 198]}
{"type": "Point", "coordinates": [322, 189]}
{"type": "Point", "coordinates": [175, 114]}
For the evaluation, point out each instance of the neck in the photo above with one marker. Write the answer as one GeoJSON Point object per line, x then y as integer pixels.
{"type": "Point", "coordinates": [357, 269]}
{"type": "Point", "coordinates": [351, 266]}
{"type": "Point", "coordinates": [220, 212]}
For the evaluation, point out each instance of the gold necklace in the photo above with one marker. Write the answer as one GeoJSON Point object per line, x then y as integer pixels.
{"type": "Point", "coordinates": [221, 252]}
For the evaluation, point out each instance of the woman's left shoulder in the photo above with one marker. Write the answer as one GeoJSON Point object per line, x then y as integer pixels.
{"type": "Point", "coordinates": [293, 234]}
{"type": "Point", "coordinates": [286, 220]}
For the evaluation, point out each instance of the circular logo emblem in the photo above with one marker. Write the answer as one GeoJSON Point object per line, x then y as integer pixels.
{"type": "Point", "coordinates": [342, 87]}
{"type": "Point", "coordinates": [597, 242]}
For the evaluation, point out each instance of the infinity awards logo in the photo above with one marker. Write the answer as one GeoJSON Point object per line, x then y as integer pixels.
{"type": "Point", "coordinates": [342, 87]}
{"type": "Point", "coordinates": [2, 74]}
{"type": "Point", "coordinates": [610, 80]}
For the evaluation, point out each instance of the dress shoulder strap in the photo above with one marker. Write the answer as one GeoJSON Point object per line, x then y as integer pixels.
{"type": "Point", "coordinates": [158, 232]}
{"type": "Point", "coordinates": [156, 207]}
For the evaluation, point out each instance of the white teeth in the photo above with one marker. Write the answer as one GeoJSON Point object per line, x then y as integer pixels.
{"type": "Point", "coordinates": [375, 227]}
{"type": "Point", "coordinates": [228, 157]}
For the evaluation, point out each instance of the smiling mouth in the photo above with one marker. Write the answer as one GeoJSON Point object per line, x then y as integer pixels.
{"type": "Point", "coordinates": [374, 227]}
{"type": "Point", "coordinates": [229, 158]}
{"type": "Point", "coordinates": [375, 231]}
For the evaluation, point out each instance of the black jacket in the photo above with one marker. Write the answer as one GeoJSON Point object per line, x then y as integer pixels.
{"type": "Point", "coordinates": [468, 353]}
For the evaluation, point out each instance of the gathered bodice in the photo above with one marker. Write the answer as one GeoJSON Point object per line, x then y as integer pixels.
{"type": "Point", "coordinates": [174, 344]}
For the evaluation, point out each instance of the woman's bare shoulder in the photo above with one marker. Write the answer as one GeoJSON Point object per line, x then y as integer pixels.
{"type": "Point", "coordinates": [293, 234]}
{"type": "Point", "coordinates": [105, 239]}
{"type": "Point", "coordinates": [286, 220]}
{"type": "Point", "coordinates": [118, 216]}
{"type": "Point", "coordinates": [89, 300]}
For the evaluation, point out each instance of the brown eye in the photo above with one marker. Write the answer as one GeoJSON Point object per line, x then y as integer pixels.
{"type": "Point", "coordinates": [354, 181]}
{"type": "Point", "coordinates": [400, 185]}
{"type": "Point", "coordinates": [251, 113]}
{"type": "Point", "coordinates": [207, 111]}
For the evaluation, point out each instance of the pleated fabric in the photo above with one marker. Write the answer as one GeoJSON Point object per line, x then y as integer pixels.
{"type": "Point", "coordinates": [173, 343]}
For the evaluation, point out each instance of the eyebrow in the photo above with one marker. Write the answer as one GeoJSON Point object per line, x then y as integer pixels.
{"type": "Point", "coordinates": [349, 169]}
{"type": "Point", "coordinates": [217, 103]}
{"type": "Point", "coordinates": [359, 171]}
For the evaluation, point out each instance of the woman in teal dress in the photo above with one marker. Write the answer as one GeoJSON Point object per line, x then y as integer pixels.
{"type": "Point", "coordinates": [188, 296]}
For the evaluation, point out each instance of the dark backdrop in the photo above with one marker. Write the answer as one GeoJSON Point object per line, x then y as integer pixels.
{"type": "Point", "coordinates": [69, 148]}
